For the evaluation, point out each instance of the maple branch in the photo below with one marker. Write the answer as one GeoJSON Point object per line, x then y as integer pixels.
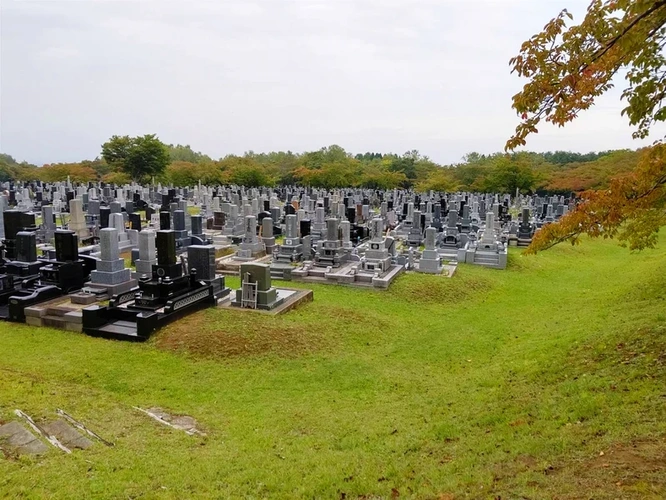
{"type": "Point", "coordinates": [629, 27]}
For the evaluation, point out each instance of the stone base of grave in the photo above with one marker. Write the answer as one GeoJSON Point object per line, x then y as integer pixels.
{"type": "Point", "coordinates": [220, 291]}
{"type": "Point", "coordinates": [234, 232]}
{"type": "Point", "coordinates": [288, 299]}
{"type": "Point", "coordinates": [281, 271]}
{"type": "Point", "coordinates": [144, 267]}
{"type": "Point", "coordinates": [453, 254]}
{"type": "Point", "coordinates": [111, 290]}
{"type": "Point", "coordinates": [351, 274]}
{"type": "Point", "coordinates": [430, 262]}
{"type": "Point", "coordinates": [220, 239]}
{"type": "Point", "coordinates": [429, 266]}
{"type": "Point", "coordinates": [84, 298]}
{"type": "Point", "coordinates": [80, 229]}
{"type": "Point", "coordinates": [267, 300]}
{"type": "Point", "coordinates": [61, 313]}
{"type": "Point", "coordinates": [495, 258]}
{"type": "Point", "coordinates": [445, 271]}
{"type": "Point", "coordinates": [247, 254]}
{"type": "Point", "coordinates": [230, 264]}
{"type": "Point", "coordinates": [269, 244]}
{"type": "Point", "coordinates": [414, 238]}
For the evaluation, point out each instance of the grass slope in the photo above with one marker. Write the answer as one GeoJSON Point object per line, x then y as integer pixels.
{"type": "Point", "coordinates": [546, 380]}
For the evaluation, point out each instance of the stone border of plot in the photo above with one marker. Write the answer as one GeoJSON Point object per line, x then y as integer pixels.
{"type": "Point", "coordinates": [301, 296]}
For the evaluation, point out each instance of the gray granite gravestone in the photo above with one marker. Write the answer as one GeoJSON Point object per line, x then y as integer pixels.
{"type": "Point", "coordinates": [111, 272]}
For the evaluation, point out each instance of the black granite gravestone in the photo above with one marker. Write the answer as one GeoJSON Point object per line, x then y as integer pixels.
{"type": "Point", "coordinates": [135, 221]}
{"type": "Point", "coordinates": [165, 244]}
{"type": "Point", "coordinates": [104, 213]}
{"type": "Point", "coordinates": [26, 246]}
{"type": "Point", "coordinates": [67, 246]}
{"type": "Point", "coordinates": [351, 215]}
{"type": "Point", "coordinates": [305, 228]}
{"type": "Point", "coordinates": [197, 225]}
{"type": "Point", "coordinates": [165, 220]}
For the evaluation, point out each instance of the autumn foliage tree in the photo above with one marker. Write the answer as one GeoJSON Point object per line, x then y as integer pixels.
{"type": "Point", "coordinates": [568, 67]}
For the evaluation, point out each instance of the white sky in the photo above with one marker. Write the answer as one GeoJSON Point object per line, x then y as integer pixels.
{"type": "Point", "coordinates": [229, 76]}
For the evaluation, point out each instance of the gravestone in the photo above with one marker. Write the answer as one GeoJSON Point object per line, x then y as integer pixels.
{"type": "Point", "coordinates": [182, 238]}
{"type": "Point", "coordinates": [135, 221]}
{"type": "Point", "coordinates": [144, 264]}
{"type": "Point", "coordinates": [267, 234]}
{"type": "Point", "coordinates": [77, 221]}
{"type": "Point", "coordinates": [104, 215]}
{"type": "Point", "coordinates": [197, 225]}
{"type": "Point", "coordinates": [430, 261]}
{"type": "Point", "coordinates": [67, 246]}
{"type": "Point", "coordinates": [111, 273]}
{"type": "Point", "coordinates": [256, 290]}
{"type": "Point", "coordinates": [165, 220]}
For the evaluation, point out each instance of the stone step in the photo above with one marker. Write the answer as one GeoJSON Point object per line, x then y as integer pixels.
{"type": "Point", "coordinates": [62, 322]}
{"type": "Point", "coordinates": [59, 310]}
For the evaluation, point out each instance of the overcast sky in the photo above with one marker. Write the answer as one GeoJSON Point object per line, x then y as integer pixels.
{"type": "Point", "coordinates": [232, 76]}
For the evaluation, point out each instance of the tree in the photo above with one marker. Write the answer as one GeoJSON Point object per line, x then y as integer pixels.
{"type": "Point", "coordinates": [568, 67]}
{"type": "Point", "coordinates": [510, 174]}
{"type": "Point", "coordinates": [139, 157]}
{"type": "Point", "coordinates": [182, 173]}
{"type": "Point", "coordinates": [185, 153]}
{"type": "Point", "coordinates": [441, 179]}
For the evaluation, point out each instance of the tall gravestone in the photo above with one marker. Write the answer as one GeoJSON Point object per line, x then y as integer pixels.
{"type": "Point", "coordinates": [430, 261]}
{"type": "Point", "coordinates": [77, 221]}
{"type": "Point", "coordinates": [146, 260]}
{"type": "Point", "coordinates": [110, 272]}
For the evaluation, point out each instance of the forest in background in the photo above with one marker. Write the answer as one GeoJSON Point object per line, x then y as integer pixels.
{"type": "Point", "coordinates": [333, 167]}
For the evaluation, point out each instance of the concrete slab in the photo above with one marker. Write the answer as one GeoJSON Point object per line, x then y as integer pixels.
{"type": "Point", "coordinates": [181, 422]}
{"type": "Point", "coordinates": [21, 440]}
{"type": "Point", "coordinates": [67, 435]}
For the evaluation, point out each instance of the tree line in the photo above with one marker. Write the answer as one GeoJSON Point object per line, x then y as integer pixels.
{"type": "Point", "coordinates": [143, 158]}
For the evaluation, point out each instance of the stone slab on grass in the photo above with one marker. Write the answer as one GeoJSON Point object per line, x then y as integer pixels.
{"type": "Point", "coordinates": [21, 440]}
{"type": "Point", "coordinates": [67, 435]}
{"type": "Point", "coordinates": [181, 422]}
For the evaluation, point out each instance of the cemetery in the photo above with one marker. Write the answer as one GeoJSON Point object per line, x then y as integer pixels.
{"type": "Point", "coordinates": [301, 277]}
{"type": "Point", "coordinates": [184, 240]}
{"type": "Point", "coordinates": [479, 317]}
{"type": "Point", "coordinates": [484, 340]}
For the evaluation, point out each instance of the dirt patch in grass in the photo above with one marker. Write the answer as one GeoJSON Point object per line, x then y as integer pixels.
{"type": "Point", "coordinates": [425, 289]}
{"type": "Point", "coordinates": [239, 334]}
{"type": "Point", "coordinates": [624, 470]}
{"type": "Point", "coordinates": [634, 470]}
{"type": "Point", "coordinates": [356, 318]}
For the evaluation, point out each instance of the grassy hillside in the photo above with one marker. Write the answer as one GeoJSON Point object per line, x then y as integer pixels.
{"type": "Point", "coordinates": [546, 380]}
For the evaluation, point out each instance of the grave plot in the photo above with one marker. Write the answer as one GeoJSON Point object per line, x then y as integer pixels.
{"type": "Point", "coordinates": [167, 295]}
{"type": "Point", "coordinates": [430, 261]}
{"type": "Point", "coordinates": [65, 274]}
{"type": "Point", "coordinates": [258, 294]}
{"type": "Point", "coordinates": [336, 261]}
{"type": "Point", "coordinates": [109, 278]}
{"type": "Point", "coordinates": [251, 249]}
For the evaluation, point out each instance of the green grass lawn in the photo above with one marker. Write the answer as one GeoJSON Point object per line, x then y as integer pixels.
{"type": "Point", "coordinates": [545, 380]}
